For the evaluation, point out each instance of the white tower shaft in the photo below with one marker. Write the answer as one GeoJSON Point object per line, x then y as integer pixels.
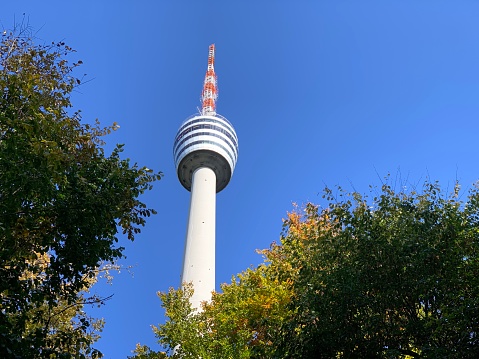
{"type": "Point", "coordinates": [199, 256]}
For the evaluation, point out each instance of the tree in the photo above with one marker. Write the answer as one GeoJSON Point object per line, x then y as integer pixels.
{"type": "Point", "coordinates": [392, 276]}
{"type": "Point", "coordinates": [238, 323]}
{"type": "Point", "coordinates": [63, 202]}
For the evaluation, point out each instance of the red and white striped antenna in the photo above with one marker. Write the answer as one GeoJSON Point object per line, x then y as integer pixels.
{"type": "Point", "coordinates": [210, 89]}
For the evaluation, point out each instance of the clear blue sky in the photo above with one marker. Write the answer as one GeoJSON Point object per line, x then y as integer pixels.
{"type": "Point", "coordinates": [330, 92]}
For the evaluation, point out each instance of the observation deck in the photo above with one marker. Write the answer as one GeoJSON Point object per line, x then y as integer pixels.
{"type": "Point", "coordinates": [206, 141]}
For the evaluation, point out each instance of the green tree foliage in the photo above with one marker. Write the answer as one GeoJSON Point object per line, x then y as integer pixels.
{"type": "Point", "coordinates": [62, 203]}
{"type": "Point", "coordinates": [392, 276]}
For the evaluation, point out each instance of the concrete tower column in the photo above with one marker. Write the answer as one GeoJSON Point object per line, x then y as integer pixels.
{"type": "Point", "coordinates": [199, 256]}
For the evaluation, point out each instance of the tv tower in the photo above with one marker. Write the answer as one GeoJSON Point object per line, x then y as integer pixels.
{"type": "Point", "coordinates": [205, 153]}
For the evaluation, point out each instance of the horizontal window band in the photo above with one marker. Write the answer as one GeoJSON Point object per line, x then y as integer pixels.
{"type": "Point", "coordinates": [213, 134]}
{"type": "Point", "coordinates": [206, 126]}
{"type": "Point", "coordinates": [224, 122]}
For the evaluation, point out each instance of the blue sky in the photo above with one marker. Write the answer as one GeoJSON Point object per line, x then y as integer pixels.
{"type": "Point", "coordinates": [331, 92]}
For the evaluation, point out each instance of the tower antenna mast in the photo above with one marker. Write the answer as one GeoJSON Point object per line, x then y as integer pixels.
{"type": "Point", "coordinates": [210, 86]}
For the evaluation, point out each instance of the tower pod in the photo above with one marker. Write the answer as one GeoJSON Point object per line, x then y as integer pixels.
{"type": "Point", "coordinates": [206, 141]}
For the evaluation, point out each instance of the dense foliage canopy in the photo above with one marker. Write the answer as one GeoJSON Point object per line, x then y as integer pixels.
{"type": "Point", "coordinates": [62, 204]}
{"type": "Point", "coordinates": [392, 276]}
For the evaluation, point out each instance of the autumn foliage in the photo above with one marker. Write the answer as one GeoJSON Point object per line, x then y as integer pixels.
{"type": "Point", "coordinates": [389, 275]}
{"type": "Point", "coordinates": [63, 201]}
